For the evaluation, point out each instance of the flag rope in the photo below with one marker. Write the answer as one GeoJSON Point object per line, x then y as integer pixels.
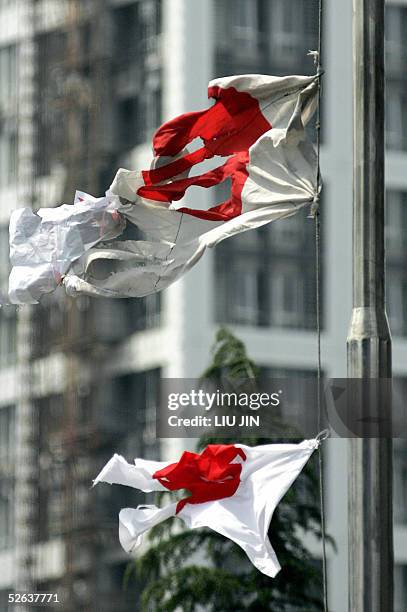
{"type": "Point", "coordinates": [169, 252]}
{"type": "Point", "coordinates": [315, 213]}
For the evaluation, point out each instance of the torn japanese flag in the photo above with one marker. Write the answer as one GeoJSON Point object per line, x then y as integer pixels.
{"type": "Point", "coordinates": [234, 491]}
{"type": "Point", "coordinates": [255, 136]}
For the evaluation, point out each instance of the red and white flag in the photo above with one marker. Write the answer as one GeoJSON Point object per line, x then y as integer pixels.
{"type": "Point", "coordinates": [254, 135]}
{"type": "Point", "coordinates": [234, 491]}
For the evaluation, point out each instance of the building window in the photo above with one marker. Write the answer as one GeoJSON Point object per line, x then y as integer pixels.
{"type": "Point", "coordinates": [78, 433]}
{"type": "Point", "coordinates": [88, 321]}
{"type": "Point", "coordinates": [8, 77]}
{"type": "Point", "coordinates": [137, 394]}
{"type": "Point", "coordinates": [237, 27]}
{"type": "Point", "coordinates": [137, 73]}
{"type": "Point", "coordinates": [51, 467]}
{"type": "Point", "coordinates": [400, 587]}
{"type": "Point", "coordinates": [152, 104]}
{"type": "Point", "coordinates": [299, 387]}
{"type": "Point", "coordinates": [242, 18]}
{"type": "Point", "coordinates": [7, 463]}
{"type": "Point", "coordinates": [8, 116]}
{"type": "Point", "coordinates": [7, 312]}
{"type": "Point", "coordinates": [126, 413]}
{"type": "Point", "coordinates": [52, 101]}
{"type": "Point", "coordinates": [5, 606]}
{"type": "Point", "coordinates": [396, 85]}
{"type": "Point", "coordinates": [8, 326]}
{"type": "Point", "coordinates": [150, 29]}
{"type": "Point", "coordinates": [396, 228]}
{"type": "Point", "coordinates": [288, 37]}
{"type": "Point", "coordinates": [245, 21]}
{"type": "Point", "coordinates": [113, 574]}
{"type": "Point", "coordinates": [396, 115]}
{"type": "Point", "coordinates": [272, 35]}
{"type": "Point", "coordinates": [292, 32]}
{"type": "Point", "coordinates": [4, 260]}
{"type": "Point", "coordinates": [287, 295]}
{"type": "Point", "coordinates": [246, 287]}
{"type": "Point", "coordinates": [396, 27]}
{"type": "Point", "coordinates": [266, 277]}
{"type": "Point", "coordinates": [400, 481]}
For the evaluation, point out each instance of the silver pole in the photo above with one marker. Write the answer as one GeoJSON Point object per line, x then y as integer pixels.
{"type": "Point", "coordinates": [369, 341]}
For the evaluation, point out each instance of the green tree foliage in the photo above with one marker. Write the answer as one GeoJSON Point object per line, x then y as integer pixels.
{"type": "Point", "coordinates": [194, 570]}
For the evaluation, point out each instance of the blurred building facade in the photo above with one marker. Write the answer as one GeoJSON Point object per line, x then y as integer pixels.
{"type": "Point", "coordinates": [83, 85]}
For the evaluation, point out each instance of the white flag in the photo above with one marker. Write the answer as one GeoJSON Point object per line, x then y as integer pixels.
{"type": "Point", "coordinates": [235, 489]}
{"type": "Point", "coordinates": [254, 131]}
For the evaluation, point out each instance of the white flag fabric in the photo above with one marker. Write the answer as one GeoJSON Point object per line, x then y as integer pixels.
{"type": "Point", "coordinates": [255, 130]}
{"type": "Point", "coordinates": [44, 245]}
{"type": "Point", "coordinates": [235, 489]}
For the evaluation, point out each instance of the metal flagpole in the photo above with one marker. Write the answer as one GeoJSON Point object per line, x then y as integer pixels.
{"type": "Point", "coordinates": [369, 341]}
